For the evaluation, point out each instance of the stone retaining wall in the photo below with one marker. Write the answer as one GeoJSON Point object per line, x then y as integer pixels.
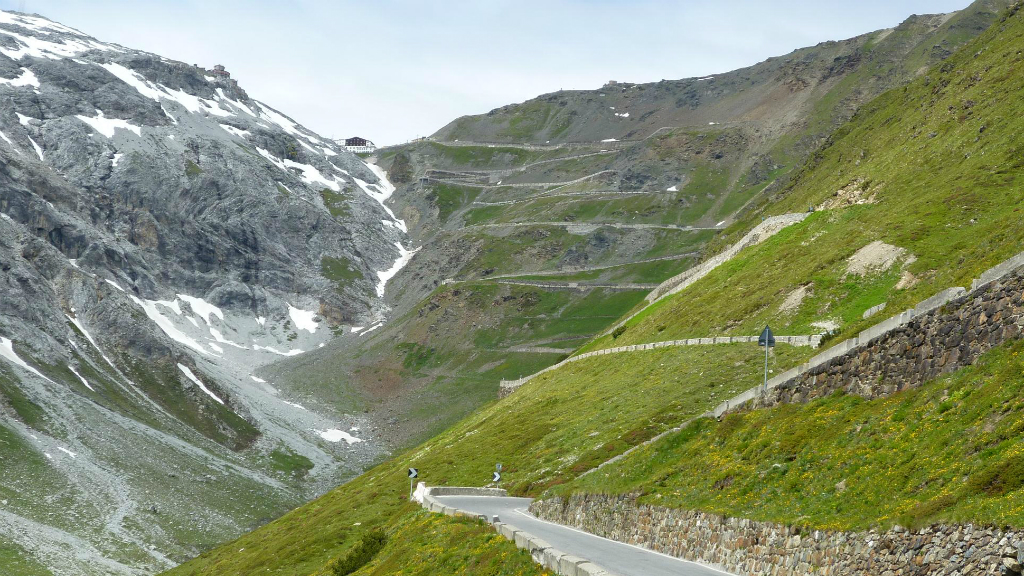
{"type": "Point", "coordinates": [941, 334]}
{"type": "Point", "coordinates": [959, 327]}
{"type": "Point", "coordinates": [759, 548]}
{"type": "Point", "coordinates": [465, 491]}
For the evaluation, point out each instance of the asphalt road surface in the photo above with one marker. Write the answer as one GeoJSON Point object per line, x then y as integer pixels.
{"type": "Point", "coordinates": [615, 557]}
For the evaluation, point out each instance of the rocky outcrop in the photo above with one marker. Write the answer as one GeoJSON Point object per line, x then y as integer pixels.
{"type": "Point", "coordinates": [162, 235]}
{"type": "Point", "coordinates": [747, 547]}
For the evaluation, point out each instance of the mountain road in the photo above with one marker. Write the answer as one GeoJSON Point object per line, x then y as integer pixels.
{"type": "Point", "coordinates": [616, 557]}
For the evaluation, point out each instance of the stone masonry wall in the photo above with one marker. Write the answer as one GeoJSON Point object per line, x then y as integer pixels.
{"type": "Point", "coordinates": [939, 341]}
{"type": "Point", "coordinates": [947, 332]}
{"type": "Point", "coordinates": [753, 548]}
{"type": "Point", "coordinates": [942, 333]}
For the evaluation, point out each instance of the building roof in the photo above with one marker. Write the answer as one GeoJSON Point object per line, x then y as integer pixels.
{"type": "Point", "coordinates": [358, 141]}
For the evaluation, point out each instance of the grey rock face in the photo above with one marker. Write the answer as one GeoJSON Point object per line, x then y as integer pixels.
{"type": "Point", "coordinates": [162, 235]}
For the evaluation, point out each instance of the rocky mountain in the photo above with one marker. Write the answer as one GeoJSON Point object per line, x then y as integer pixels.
{"type": "Point", "coordinates": [164, 236]}
{"type": "Point", "coordinates": [541, 223]}
{"type": "Point", "coordinates": [213, 314]}
{"type": "Point", "coordinates": [809, 90]}
{"type": "Point", "coordinates": [895, 446]}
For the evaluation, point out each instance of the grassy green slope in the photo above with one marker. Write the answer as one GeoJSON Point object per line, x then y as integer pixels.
{"type": "Point", "coordinates": [698, 174]}
{"type": "Point", "coordinates": [927, 188]}
{"type": "Point", "coordinates": [715, 171]}
{"type": "Point", "coordinates": [14, 560]}
{"type": "Point", "coordinates": [449, 355]}
{"type": "Point", "coordinates": [946, 452]}
{"type": "Point", "coordinates": [940, 160]}
{"type": "Point", "coordinates": [425, 544]}
{"type": "Point", "coordinates": [942, 157]}
{"type": "Point", "coordinates": [554, 428]}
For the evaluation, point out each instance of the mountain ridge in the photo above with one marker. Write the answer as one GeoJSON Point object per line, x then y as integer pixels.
{"type": "Point", "coordinates": [478, 206]}
{"type": "Point", "coordinates": [164, 236]}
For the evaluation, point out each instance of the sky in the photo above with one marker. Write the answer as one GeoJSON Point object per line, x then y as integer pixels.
{"type": "Point", "coordinates": [394, 70]}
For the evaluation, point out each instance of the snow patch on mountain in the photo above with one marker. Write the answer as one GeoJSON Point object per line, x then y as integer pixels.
{"type": "Point", "coordinates": [84, 381]}
{"type": "Point", "coordinates": [303, 319]}
{"type": "Point", "coordinates": [219, 337]}
{"type": "Point", "coordinates": [133, 79]}
{"type": "Point", "coordinates": [203, 308]}
{"type": "Point", "coordinates": [34, 46]}
{"type": "Point", "coordinates": [235, 131]}
{"type": "Point", "coordinates": [188, 374]}
{"type": "Point", "coordinates": [27, 78]}
{"type": "Point", "coordinates": [107, 126]}
{"type": "Point", "coordinates": [271, 349]}
{"type": "Point", "coordinates": [335, 435]}
{"type": "Point", "coordinates": [39, 151]}
{"type": "Point", "coordinates": [404, 256]}
{"type": "Point", "coordinates": [81, 328]}
{"type": "Point", "coordinates": [8, 353]}
{"type": "Point", "coordinates": [165, 324]}
{"type": "Point", "coordinates": [309, 174]}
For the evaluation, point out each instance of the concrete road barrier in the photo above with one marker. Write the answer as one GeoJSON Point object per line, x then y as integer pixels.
{"type": "Point", "coordinates": [569, 565]}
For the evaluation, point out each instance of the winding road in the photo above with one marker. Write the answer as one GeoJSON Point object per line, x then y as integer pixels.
{"type": "Point", "coordinates": [618, 558]}
{"type": "Point", "coordinates": [594, 225]}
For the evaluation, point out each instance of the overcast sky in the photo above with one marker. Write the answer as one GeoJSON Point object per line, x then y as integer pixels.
{"type": "Point", "coordinates": [392, 70]}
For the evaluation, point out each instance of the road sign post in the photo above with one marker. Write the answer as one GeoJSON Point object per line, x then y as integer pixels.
{"type": "Point", "coordinates": [413, 474]}
{"type": "Point", "coordinates": [497, 474]}
{"type": "Point", "coordinates": [766, 339]}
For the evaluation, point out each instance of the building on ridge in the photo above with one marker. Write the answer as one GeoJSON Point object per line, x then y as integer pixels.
{"type": "Point", "coordinates": [358, 145]}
